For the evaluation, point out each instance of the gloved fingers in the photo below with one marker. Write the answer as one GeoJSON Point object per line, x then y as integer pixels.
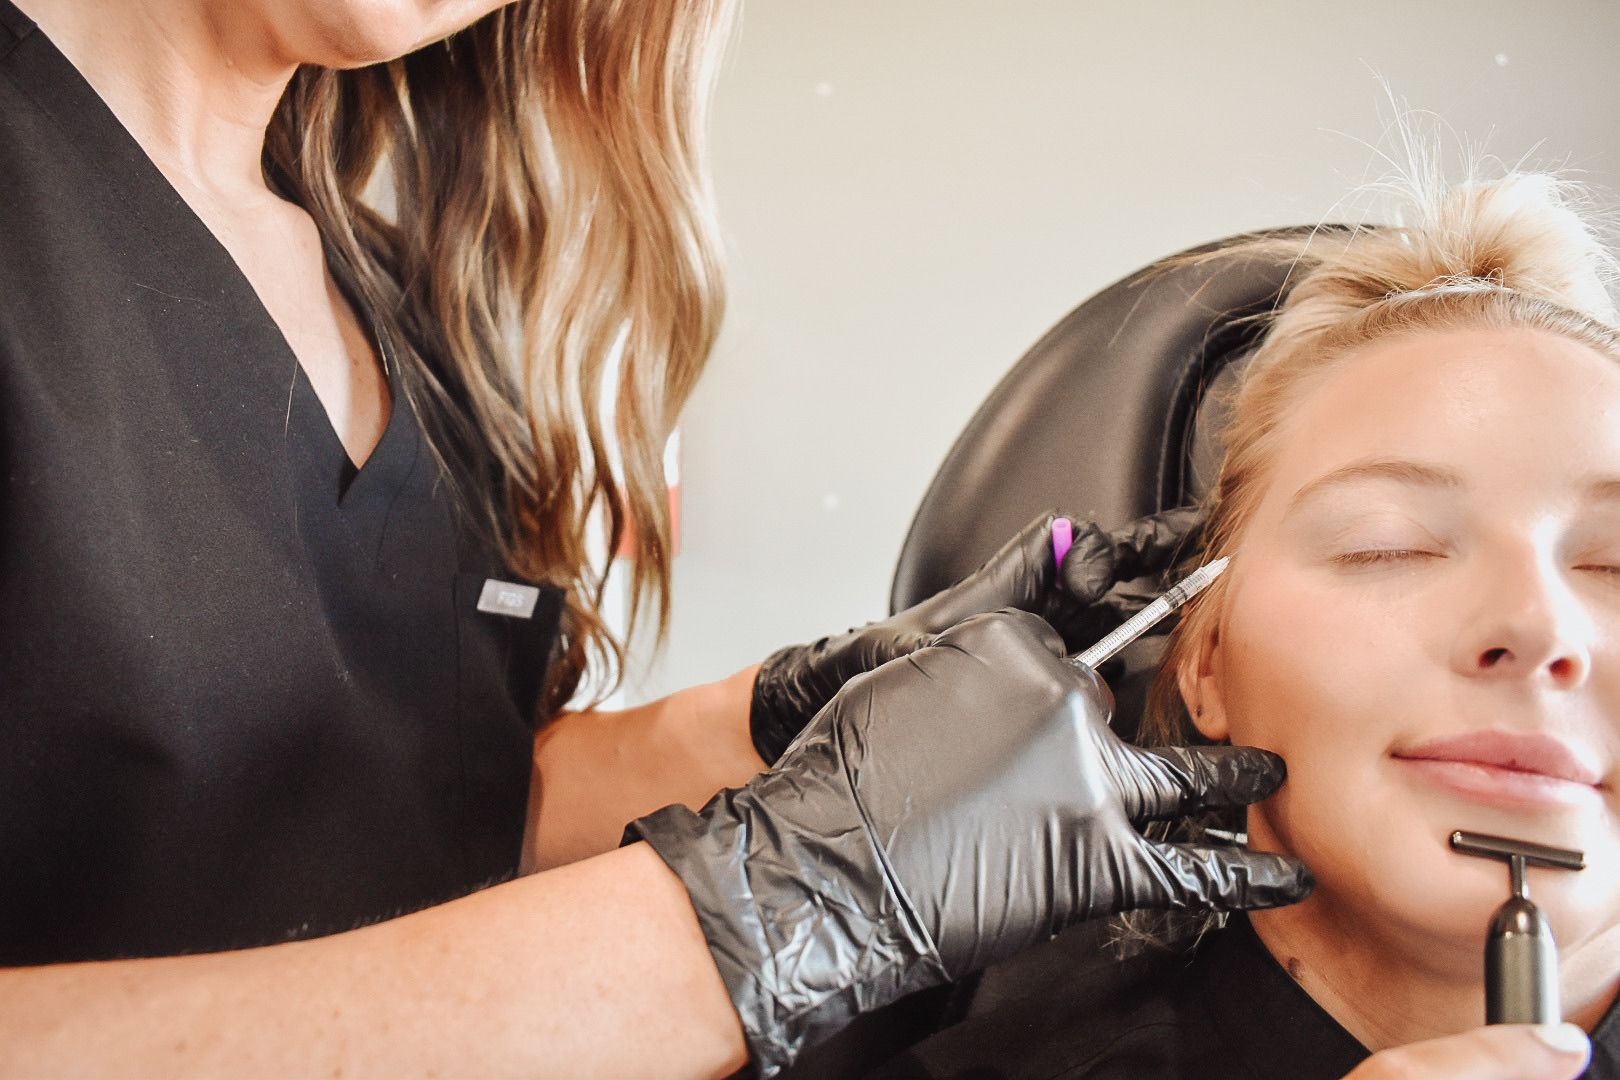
{"type": "Point", "coordinates": [870, 652]}
{"type": "Point", "coordinates": [984, 635]}
{"type": "Point", "coordinates": [1100, 560]}
{"type": "Point", "coordinates": [1087, 572]}
{"type": "Point", "coordinates": [1222, 878]}
{"type": "Point", "coordinates": [1152, 544]}
{"type": "Point", "coordinates": [1171, 781]}
{"type": "Point", "coordinates": [1029, 553]}
{"type": "Point", "coordinates": [1128, 597]}
{"type": "Point", "coordinates": [1019, 574]}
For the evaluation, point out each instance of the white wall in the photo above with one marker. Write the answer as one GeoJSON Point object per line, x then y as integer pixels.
{"type": "Point", "coordinates": [915, 189]}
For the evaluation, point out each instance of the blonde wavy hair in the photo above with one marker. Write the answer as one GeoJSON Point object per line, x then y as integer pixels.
{"type": "Point", "coordinates": [552, 211]}
{"type": "Point", "coordinates": [1524, 250]}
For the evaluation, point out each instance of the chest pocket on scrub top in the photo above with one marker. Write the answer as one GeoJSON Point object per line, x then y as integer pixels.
{"type": "Point", "coordinates": [508, 635]}
{"type": "Point", "coordinates": [506, 639]}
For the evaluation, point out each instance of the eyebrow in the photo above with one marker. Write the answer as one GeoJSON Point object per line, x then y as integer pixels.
{"type": "Point", "coordinates": [1420, 474]}
{"type": "Point", "coordinates": [1400, 470]}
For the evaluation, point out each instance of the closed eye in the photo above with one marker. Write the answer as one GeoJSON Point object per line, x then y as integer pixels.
{"type": "Point", "coordinates": [1374, 556]}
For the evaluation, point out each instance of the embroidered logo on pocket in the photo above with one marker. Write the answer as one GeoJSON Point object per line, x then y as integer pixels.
{"type": "Point", "coordinates": [508, 598]}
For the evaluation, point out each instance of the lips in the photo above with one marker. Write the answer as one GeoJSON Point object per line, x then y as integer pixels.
{"type": "Point", "coordinates": [1535, 754]}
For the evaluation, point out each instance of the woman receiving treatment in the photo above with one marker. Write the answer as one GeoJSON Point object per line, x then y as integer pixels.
{"type": "Point", "coordinates": [1420, 496]}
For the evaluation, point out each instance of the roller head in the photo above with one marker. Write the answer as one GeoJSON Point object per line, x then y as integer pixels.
{"type": "Point", "coordinates": [1501, 847]}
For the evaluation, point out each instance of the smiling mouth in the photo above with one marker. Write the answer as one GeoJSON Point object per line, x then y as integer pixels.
{"type": "Point", "coordinates": [1506, 769]}
{"type": "Point", "coordinates": [1497, 786]}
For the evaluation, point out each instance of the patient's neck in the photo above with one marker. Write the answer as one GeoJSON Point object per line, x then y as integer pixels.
{"type": "Point", "coordinates": [1388, 995]}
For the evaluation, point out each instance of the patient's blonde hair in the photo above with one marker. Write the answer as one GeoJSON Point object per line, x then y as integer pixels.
{"type": "Point", "coordinates": [1520, 251]}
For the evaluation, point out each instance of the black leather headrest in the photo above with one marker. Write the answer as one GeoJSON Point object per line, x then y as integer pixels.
{"type": "Point", "coordinates": [1101, 419]}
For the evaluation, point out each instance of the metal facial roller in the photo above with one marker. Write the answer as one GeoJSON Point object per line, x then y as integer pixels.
{"type": "Point", "coordinates": [1521, 960]}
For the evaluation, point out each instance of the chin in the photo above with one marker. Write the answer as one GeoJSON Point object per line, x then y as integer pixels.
{"type": "Point", "coordinates": [358, 33]}
{"type": "Point", "coordinates": [1580, 904]}
{"type": "Point", "coordinates": [1386, 875]}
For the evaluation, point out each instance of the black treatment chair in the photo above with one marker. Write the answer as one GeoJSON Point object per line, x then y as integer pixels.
{"type": "Point", "coordinates": [1108, 417]}
{"type": "Point", "coordinates": [1114, 414]}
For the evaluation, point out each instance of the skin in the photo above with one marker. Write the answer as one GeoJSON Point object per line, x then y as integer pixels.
{"type": "Point", "coordinates": [1369, 614]}
{"type": "Point", "coordinates": [594, 771]}
{"type": "Point", "coordinates": [546, 974]}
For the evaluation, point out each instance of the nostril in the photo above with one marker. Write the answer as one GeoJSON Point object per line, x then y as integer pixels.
{"type": "Point", "coordinates": [1490, 657]}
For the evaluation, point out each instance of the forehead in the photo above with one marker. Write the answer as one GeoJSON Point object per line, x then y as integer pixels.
{"type": "Point", "coordinates": [1499, 407]}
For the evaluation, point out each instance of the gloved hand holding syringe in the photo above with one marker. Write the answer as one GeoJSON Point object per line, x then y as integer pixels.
{"type": "Point", "coordinates": [1144, 620]}
{"type": "Point", "coordinates": [948, 811]}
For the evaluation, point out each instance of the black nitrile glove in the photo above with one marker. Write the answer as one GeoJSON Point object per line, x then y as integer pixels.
{"type": "Point", "coordinates": [943, 812]}
{"type": "Point", "coordinates": [1079, 599]}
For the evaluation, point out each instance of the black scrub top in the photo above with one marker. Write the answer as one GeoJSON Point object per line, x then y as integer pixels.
{"type": "Point", "coordinates": [1225, 1010]}
{"type": "Point", "coordinates": [246, 694]}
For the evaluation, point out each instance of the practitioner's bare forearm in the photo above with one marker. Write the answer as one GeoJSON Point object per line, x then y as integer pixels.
{"type": "Point", "coordinates": [595, 969]}
{"type": "Point", "coordinates": [595, 771]}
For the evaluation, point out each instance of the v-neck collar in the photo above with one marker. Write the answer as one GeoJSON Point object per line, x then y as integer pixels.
{"type": "Point", "coordinates": [385, 469]}
{"type": "Point", "coordinates": [91, 125]}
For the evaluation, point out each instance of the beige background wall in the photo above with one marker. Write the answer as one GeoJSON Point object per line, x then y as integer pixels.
{"type": "Point", "coordinates": [914, 190]}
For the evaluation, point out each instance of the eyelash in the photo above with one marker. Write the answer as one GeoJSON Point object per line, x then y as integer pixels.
{"type": "Point", "coordinates": [1373, 556]}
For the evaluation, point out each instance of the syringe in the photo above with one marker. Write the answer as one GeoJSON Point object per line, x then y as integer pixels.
{"type": "Point", "coordinates": [1139, 624]}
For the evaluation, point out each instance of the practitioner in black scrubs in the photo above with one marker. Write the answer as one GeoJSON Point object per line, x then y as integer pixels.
{"type": "Point", "coordinates": [291, 591]}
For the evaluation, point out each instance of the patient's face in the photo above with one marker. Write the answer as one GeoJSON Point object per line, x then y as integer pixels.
{"type": "Point", "coordinates": [1423, 618]}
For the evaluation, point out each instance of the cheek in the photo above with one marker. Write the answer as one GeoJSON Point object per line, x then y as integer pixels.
{"type": "Point", "coordinates": [1331, 676]}
{"type": "Point", "coordinates": [1325, 680]}
{"type": "Point", "coordinates": [1302, 669]}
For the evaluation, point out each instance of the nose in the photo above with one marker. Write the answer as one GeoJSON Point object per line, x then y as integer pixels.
{"type": "Point", "coordinates": [1524, 622]}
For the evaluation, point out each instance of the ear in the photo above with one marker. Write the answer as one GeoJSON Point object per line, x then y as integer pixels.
{"type": "Point", "coordinates": [1201, 689]}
